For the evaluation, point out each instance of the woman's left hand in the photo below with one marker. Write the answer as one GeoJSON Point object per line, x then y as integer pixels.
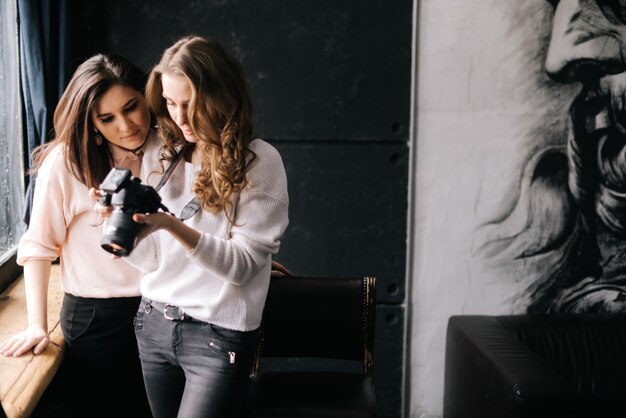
{"type": "Point", "coordinates": [152, 222]}
{"type": "Point", "coordinates": [278, 270]}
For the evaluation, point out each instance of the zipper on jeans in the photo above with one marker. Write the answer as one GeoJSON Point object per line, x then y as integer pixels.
{"type": "Point", "coordinates": [231, 354]}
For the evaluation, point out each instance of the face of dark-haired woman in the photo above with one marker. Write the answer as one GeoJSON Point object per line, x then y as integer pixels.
{"type": "Point", "coordinates": [121, 115]}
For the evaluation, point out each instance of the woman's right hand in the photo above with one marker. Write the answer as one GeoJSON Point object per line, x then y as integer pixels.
{"type": "Point", "coordinates": [99, 208]}
{"type": "Point", "coordinates": [103, 210]}
{"type": "Point", "coordinates": [34, 337]}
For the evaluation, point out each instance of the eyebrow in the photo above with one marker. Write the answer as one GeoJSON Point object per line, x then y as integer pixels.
{"type": "Point", "coordinates": [128, 103]}
{"type": "Point", "coordinates": [167, 98]}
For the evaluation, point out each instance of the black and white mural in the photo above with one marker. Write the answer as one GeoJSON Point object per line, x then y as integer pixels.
{"type": "Point", "coordinates": [569, 245]}
{"type": "Point", "coordinates": [520, 167]}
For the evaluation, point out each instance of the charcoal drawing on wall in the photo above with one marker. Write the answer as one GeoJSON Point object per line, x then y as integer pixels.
{"type": "Point", "coordinates": [560, 233]}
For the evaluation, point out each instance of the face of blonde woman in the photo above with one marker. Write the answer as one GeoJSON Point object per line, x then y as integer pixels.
{"type": "Point", "coordinates": [122, 117]}
{"type": "Point", "coordinates": [177, 93]}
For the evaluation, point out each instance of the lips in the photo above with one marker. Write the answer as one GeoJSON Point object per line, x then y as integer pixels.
{"type": "Point", "coordinates": [188, 134]}
{"type": "Point", "coordinates": [134, 134]}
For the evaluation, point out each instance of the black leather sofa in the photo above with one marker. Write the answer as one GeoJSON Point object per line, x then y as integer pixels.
{"type": "Point", "coordinates": [535, 366]}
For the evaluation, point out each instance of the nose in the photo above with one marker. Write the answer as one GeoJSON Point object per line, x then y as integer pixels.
{"type": "Point", "coordinates": [584, 44]}
{"type": "Point", "coordinates": [126, 124]}
{"type": "Point", "coordinates": [181, 117]}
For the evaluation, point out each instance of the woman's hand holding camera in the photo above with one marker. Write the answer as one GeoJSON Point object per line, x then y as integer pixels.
{"type": "Point", "coordinates": [153, 222]}
{"type": "Point", "coordinates": [150, 222]}
{"type": "Point", "coordinates": [102, 210]}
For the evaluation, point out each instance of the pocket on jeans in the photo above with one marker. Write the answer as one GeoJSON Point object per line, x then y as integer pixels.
{"type": "Point", "coordinates": [223, 352]}
{"type": "Point", "coordinates": [231, 335]}
{"type": "Point", "coordinates": [231, 345]}
{"type": "Point", "coordinates": [76, 318]}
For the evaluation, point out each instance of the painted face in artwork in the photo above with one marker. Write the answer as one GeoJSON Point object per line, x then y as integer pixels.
{"type": "Point", "coordinates": [587, 46]}
{"type": "Point", "coordinates": [121, 116]}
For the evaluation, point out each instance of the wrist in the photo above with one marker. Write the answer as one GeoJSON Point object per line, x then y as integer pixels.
{"type": "Point", "coordinates": [39, 325]}
{"type": "Point", "coordinates": [170, 223]}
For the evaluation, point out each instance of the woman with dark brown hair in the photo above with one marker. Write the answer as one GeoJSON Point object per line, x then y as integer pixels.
{"type": "Point", "coordinates": [207, 271]}
{"type": "Point", "coordinates": [101, 121]}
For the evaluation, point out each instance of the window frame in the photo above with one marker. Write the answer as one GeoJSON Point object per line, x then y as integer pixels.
{"type": "Point", "coordinates": [9, 269]}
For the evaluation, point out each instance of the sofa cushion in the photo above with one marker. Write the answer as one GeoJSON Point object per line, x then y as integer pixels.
{"type": "Point", "coordinates": [589, 351]}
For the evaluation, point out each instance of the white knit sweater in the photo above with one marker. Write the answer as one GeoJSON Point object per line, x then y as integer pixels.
{"type": "Point", "coordinates": [223, 280]}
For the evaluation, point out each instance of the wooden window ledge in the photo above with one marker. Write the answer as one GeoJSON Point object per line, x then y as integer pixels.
{"type": "Point", "coordinates": [24, 379]}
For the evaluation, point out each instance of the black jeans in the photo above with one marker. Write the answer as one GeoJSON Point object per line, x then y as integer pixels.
{"type": "Point", "coordinates": [192, 368]}
{"type": "Point", "coordinates": [101, 361]}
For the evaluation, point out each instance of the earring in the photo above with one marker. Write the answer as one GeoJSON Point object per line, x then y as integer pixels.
{"type": "Point", "coordinates": [98, 138]}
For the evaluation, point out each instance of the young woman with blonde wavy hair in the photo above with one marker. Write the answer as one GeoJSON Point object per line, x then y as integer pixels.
{"type": "Point", "coordinates": [207, 269]}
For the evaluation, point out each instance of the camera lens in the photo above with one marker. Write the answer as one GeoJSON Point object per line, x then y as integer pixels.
{"type": "Point", "coordinates": [120, 235]}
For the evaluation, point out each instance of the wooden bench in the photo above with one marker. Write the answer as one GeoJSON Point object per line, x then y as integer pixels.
{"type": "Point", "coordinates": [24, 379]}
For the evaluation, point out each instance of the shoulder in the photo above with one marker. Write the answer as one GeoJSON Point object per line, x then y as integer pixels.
{"type": "Point", "coordinates": [55, 161]}
{"type": "Point", "coordinates": [54, 172]}
{"type": "Point", "coordinates": [266, 157]}
{"type": "Point", "coordinates": [266, 171]}
{"type": "Point", "coordinates": [259, 145]}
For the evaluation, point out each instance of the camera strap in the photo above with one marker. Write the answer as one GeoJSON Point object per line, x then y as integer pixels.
{"type": "Point", "coordinates": [166, 176]}
{"type": "Point", "coordinates": [193, 206]}
{"type": "Point", "coordinates": [190, 209]}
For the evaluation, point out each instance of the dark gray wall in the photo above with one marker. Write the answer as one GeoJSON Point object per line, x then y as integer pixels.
{"type": "Point", "coordinates": [330, 82]}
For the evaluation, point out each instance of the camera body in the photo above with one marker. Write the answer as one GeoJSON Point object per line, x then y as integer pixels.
{"type": "Point", "coordinates": [127, 196]}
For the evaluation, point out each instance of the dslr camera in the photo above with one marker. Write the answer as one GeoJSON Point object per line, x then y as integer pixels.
{"type": "Point", "coordinates": [127, 196]}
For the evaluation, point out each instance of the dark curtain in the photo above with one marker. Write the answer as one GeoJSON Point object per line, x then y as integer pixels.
{"type": "Point", "coordinates": [43, 32]}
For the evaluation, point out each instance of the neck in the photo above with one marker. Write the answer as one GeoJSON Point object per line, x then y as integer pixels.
{"type": "Point", "coordinates": [193, 154]}
{"type": "Point", "coordinates": [112, 146]}
{"type": "Point", "coordinates": [196, 158]}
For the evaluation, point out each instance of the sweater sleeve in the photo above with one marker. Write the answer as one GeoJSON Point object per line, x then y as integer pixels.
{"type": "Point", "coordinates": [261, 220]}
{"type": "Point", "coordinates": [48, 221]}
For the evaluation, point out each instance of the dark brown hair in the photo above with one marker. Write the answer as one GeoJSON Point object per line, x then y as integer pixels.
{"type": "Point", "coordinates": [73, 126]}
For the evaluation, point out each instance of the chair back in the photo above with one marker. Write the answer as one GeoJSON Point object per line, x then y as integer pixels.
{"type": "Point", "coordinates": [321, 317]}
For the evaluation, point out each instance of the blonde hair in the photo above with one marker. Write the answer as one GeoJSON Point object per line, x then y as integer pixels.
{"type": "Point", "coordinates": [219, 114]}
